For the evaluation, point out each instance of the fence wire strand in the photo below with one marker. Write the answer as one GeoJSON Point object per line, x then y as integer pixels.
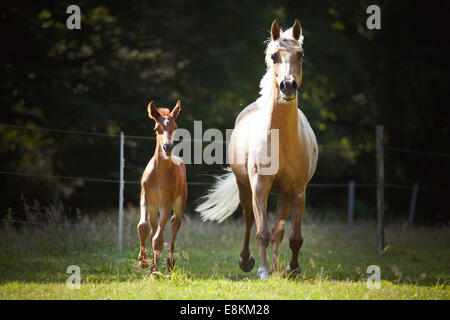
{"type": "Point", "coordinates": [326, 185]}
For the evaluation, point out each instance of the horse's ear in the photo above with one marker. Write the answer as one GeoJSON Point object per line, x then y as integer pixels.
{"type": "Point", "coordinates": [296, 30]}
{"type": "Point", "coordinates": [275, 30]}
{"type": "Point", "coordinates": [176, 110]}
{"type": "Point", "coordinates": [153, 112]}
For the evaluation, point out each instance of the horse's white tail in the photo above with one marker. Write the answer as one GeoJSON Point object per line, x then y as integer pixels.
{"type": "Point", "coordinates": [222, 199]}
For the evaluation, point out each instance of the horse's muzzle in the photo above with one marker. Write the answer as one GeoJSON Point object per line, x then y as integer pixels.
{"type": "Point", "coordinates": [288, 89]}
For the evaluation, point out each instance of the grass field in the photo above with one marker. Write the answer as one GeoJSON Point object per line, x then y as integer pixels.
{"type": "Point", "coordinates": [334, 259]}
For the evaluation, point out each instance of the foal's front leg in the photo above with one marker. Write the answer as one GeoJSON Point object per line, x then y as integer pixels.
{"type": "Point", "coordinates": [175, 222]}
{"type": "Point", "coordinates": [143, 229]}
{"type": "Point", "coordinates": [158, 238]}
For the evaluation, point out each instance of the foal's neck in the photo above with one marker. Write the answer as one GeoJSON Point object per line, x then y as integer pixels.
{"type": "Point", "coordinates": [160, 158]}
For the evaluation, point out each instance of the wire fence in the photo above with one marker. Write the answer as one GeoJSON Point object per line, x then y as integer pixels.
{"type": "Point", "coordinates": [139, 137]}
{"type": "Point", "coordinates": [350, 185]}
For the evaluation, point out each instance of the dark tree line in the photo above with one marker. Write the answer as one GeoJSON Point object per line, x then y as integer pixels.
{"type": "Point", "coordinates": [211, 56]}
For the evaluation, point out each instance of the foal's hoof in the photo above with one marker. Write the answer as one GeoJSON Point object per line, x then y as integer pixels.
{"type": "Point", "coordinates": [263, 273]}
{"type": "Point", "coordinates": [170, 263]}
{"type": "Point", "coordinates": [247, 265]}
{"type": "Point", "coordinates": [290, 271]}
{"type": "Point", "coordinates": [155, 275]}
{"type": "Point", "coordinates": [143, 263]}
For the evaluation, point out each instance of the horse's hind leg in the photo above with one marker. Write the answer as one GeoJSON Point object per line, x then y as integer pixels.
{"type": "Point", "coordinates": [143, 229]}
{"type": "Point", "coordinates": [282, 212]}
{"type": "Point", "coordinates": [296, 239]}
{"type": "Point", "coordinates": [246, 261]}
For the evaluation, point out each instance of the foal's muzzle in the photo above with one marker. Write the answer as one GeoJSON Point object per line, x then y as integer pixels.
{"type": "Point", "coordinates": [168, 148]}
{"type": "Point", "coordinates": [288, 89]}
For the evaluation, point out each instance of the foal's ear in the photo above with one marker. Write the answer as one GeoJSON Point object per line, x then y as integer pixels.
{"type": "Point", "coordinates": [152, 110]}
{"type": "Point", "coordinates": [176, 110]}
{"type": "Point", "coordinates": [275, 30]}
{"type": "Point", "coordinates": [296, 30]}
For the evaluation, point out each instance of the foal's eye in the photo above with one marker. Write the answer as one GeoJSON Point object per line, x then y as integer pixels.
{"type": "Point", "coordinates": [301, 54]}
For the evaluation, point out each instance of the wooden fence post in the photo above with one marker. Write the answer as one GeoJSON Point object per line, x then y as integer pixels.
{"type": "Point", "coordinates": [351, 201]}
{"type": "Point", "coordinates": [412, 206]}
{"type": "Point", "coordinates": [380, 187]}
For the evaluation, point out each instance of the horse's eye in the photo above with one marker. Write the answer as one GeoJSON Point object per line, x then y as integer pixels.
{"type": "Point", "coordinates": [301, 54]}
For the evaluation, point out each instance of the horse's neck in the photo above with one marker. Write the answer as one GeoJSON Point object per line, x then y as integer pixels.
{"type": "Point", "coordinates": [284, 117]}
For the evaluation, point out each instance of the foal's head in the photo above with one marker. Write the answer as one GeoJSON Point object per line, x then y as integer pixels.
{"type": "Point", "coordinates": [165, 125]}
{"type": "Point", "coordinates": [284, 56]}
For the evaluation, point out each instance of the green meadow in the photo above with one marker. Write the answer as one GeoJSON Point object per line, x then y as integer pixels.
{"type": "Point", "coordinates": [334, 259]}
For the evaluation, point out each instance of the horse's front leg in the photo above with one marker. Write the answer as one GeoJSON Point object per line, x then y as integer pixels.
{"type": "Point", "coordinates": [282, 212]}
{"type": "Point", "coordinates": [260, 194]}
{"type": "Point", "coordinates": [296, 239]}
{"type": "Point", "coordinates": [158, 238]}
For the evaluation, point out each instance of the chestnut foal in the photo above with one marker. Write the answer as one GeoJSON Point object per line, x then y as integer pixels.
{"type": "Point", "coordinates": [163, 189]}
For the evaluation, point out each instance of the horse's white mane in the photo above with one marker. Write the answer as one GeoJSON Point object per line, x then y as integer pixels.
{"type": "Point", "coordinates": [267, 81]}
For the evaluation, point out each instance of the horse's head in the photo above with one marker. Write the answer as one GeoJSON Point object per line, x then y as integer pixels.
{"type": "Point", "coordinates": [284, 55]}
{"type": "Point", "coordinates": [165, 125]}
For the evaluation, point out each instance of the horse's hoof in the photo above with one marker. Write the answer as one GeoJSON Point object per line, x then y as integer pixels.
{"type": "Point", "coordinates": [143, 263]}
{"type": "Point", "coordinates": [247, 265]}
{"type": "Point", "coordinates": [290, 271]}
{"type": "Point", "coordinates": [263, 274]}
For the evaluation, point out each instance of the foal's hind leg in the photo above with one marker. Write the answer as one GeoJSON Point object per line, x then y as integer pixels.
{"type": "Point", "coordinates": [296, 239]}
{"type": "Point", "coordinates": [282, 212]}
{"type": "Point", "coordinates": [246, 261]}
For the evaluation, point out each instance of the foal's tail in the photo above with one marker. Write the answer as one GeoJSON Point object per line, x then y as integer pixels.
{"type": "Point", "coordinates": [222, 199]}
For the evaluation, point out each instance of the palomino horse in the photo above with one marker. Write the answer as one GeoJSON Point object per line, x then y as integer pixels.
{"type": "Point", "coordinates": [296, 153]}
{"type": "Point", "coordinates": [163, 189]}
